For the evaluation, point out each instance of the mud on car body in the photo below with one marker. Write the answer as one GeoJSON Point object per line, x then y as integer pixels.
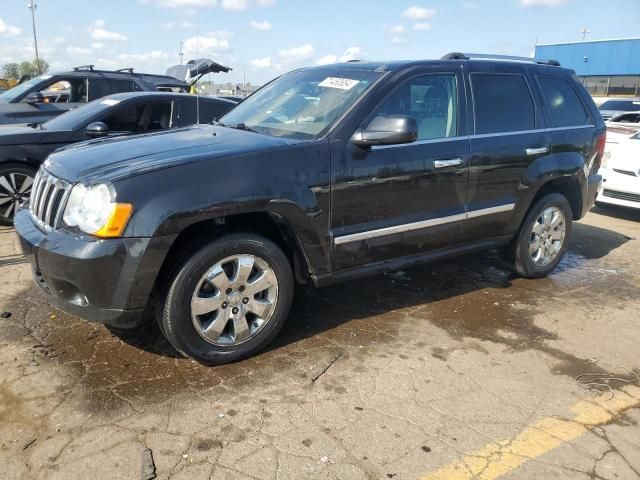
{"type": "Point", "coordinates": [324, 175]}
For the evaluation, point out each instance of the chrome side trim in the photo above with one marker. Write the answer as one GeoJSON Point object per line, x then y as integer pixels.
{"type": "Point", "coordinates": [481, 135]}
{"type": "Point", "coordinates": [433, 222]}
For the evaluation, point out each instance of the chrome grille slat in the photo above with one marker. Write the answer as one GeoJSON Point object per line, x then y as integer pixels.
{"type": "Point", "coordinates": [48, 199]}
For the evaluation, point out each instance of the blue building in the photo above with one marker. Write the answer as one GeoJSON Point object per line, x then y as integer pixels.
{"type": "Point", "coordinates": [607, 68]}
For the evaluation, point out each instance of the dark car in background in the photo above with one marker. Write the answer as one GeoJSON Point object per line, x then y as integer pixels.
{"type": "Point", "coordinates": [323, 175]}
{"type": "Point", "coordinates": [24, 147]}
{"type": "Point", "coordinates": [49, 95]}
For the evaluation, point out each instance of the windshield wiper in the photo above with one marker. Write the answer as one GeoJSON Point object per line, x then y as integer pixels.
{"type": "Point", "coordinates": [242, 126]}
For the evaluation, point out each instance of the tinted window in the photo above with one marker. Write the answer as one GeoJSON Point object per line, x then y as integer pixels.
{"type": "Point", "coordinates": [431, 100]}
{"type": "Point", "coordinates": [565, 108]}
{"type": "Point", "coordinates": [502, 103]}
{"type": "Point", "coordinates": [140, 118]}
{"type": "Point", "coordinates": [102, 87]}
{"type": "Point", "coordinates": [210, 111]}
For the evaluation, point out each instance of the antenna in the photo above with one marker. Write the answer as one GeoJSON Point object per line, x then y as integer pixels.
{"type": "Point", "coordinates": [197, 72]}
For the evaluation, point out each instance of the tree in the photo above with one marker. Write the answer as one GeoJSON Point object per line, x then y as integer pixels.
{"type": "Point", "coordinates": [16, 71]}
{"type": "Point", "coordinates": [11, 71]}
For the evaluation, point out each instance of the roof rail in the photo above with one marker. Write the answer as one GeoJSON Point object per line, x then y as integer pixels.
{"type": "Point", "coordinates": [510, 58]}
{"type": "Point", "coordinates": [122, 70]}
{"type": "Point", "coordinates": [84, 67]}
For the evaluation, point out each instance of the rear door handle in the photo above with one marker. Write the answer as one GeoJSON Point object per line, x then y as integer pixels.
{"type": "Point", "coordinates": [531, 151]}
{"type": "Point", "coordinates": [448, 162]}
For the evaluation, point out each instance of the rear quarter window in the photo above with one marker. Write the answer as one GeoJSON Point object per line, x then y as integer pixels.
{"type": "Point", "coordinates": [564, 105]}
{"type": "Point", "coordinates": [502, 103]}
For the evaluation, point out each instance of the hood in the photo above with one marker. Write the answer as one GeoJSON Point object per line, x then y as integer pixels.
{"type": "Point", "coordinates": [111, 159]}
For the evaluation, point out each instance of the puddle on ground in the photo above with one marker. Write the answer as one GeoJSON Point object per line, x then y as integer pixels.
{"type": "Point", "coordinates": [472, 298]}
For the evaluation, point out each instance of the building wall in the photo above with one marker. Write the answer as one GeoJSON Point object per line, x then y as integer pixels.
{"type": "Point", "coordinates": [606, 67]}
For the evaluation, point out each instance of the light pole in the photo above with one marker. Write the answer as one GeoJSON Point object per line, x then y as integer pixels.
{"type": "Point", "coordinates": [180, 54]}
{"type": "Point", "coordinates": [584, 31]}
{"type": "Point", "coordinates": [32, 6]}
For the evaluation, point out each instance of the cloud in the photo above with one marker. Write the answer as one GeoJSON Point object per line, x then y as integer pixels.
{"type": "Point", "coordinates": [235, 4]}
{"type": "Point", "coordinates": [172, 25]}
{"type": "Point", "coordinates": [99, 23]}
{"type": "Point", "coordinates": [296, 54]}
{"type": "Point", "coordinates": [327, 60]}
{"type": "Point", "coordinates": [58, 40]}
{"type": "Point", "coordinates": [396, 29]}
{"type": "Point", "coordinates": [97, 45]}
{"type": "Point", "coordinates": [398, 40]}
{"type": "Point", "coordinates": [261, 62]}
{"type": "Point", "coordinates": [421, 26]}
{"type": "Point", "coordinates": [78, 50]}
{"type": "Point", "coordinates": [351, 53]}
{"type": "Point", "coordinates": [542, 3]}
{"type": "Point", "coordinates": [8, 30]}
{"type": "Point", "coordinates": [184, 4]}
{"type": "Point", "coordinates": [210, 42]}
{"type": "Point", "coordinates": [419, 13]}
{"type": "Point", "coordinates": [263, 26]}
{"type": "Point", "coordinates": [266, 3]}
{"type": "Point", "coordinates": [102, 34]}
{"type": "Point", "coordinates": [471, 6]}
{"type": "Point", "coordinates": [143, 57]}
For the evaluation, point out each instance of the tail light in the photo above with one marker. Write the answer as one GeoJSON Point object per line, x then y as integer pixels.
{"type": "Point", "coordinates": [600, 146]}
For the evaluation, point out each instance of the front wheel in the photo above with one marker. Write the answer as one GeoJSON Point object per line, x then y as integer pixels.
{"type": "Point", "coordinates": [228, 299]}
{"type": "Point", "coordinates": [543, 237]}
{"type": "Point", "coordinates": [16, 181]}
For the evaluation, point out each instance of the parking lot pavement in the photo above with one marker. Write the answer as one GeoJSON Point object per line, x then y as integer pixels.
{"type": "Point", "coordinates": [453, 370]}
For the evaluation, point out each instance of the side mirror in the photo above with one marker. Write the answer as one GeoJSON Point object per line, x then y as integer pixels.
{"type": "Point", "coordinates": [97, 130]}
{"type": "Point", "coordinates": [35, 97]}
{"type": "Point", "coordinates": [387, 130]}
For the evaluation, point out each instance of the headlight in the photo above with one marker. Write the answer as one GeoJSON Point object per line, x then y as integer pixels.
{"type": "Point", "coordinates": [605, 159]}
{"type": "Point", "coordinates": [92, 210]}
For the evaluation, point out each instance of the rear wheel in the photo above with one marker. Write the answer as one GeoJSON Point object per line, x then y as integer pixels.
{"type": "Point", "coordinates": [542, 239]}
{"type": "Point", "coordinates": [228, 299]}
{"type": "Point", "coordinates": [16, 181]}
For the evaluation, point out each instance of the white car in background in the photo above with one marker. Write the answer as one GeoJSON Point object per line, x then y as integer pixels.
{"type": "Point", "coordinates": [620, 168]}
{"type": "Point", "coordinates": [627, 118]}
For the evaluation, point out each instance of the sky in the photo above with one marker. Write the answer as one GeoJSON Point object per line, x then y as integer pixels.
{"type": "Point", "coordinates": [261, 39]}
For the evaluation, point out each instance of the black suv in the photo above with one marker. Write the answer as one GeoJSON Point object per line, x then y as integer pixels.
{"type": "Point", "coordinates": [44, 97]}
{"type": "Point", "coordinates": [323, 175]}
{"type": "Point", "coordinates": [24, 147]}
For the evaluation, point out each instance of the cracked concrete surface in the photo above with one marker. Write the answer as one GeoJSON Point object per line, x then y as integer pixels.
{"type": "Point", "coordinates": [430, 366]}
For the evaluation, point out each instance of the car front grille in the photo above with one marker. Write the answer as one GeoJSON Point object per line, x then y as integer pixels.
{"type": "Point", "coordinates": [48, 197]}
{"type": "Point", "coordinates": [632, 197]}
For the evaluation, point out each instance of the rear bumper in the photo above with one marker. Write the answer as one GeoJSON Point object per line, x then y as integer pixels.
{"type": "Point", "coordinates": [107, 281]}
{"type": "Point", "coordinates": [593, 186]}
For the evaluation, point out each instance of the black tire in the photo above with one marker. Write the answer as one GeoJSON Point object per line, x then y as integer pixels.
{"type": "Point", "coordinates": [175, 312]}
{"type": "Point", "coordinates": [12, 177]}
{"type": "Point", "coordinates": [517, 253]}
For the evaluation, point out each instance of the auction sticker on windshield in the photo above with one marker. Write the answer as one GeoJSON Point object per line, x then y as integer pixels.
{"type": "Point", "coordinates": [341, 83]}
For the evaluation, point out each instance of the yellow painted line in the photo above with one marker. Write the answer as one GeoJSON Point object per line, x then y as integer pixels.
{"type": "Point", "coordinates": [498, 458]}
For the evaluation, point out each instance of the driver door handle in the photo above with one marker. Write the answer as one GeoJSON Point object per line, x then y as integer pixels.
{"type": "Point", "coordinates": [532, 151]}
{"type": "Point", "coordinates": [448, 162]}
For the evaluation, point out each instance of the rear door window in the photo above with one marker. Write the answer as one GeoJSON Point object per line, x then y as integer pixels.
{"type": "Point", "coordinates": [101, 87]}
{"type": "Point", "coordinates": [502, 103]}
{"type": "Point", "coordinates": [141, 118]}
{"type": "Point", "coordinates": [563, 103]}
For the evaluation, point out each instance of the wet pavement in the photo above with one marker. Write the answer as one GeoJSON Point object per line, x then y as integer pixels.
{"type": "Point", "coordinates": [416, 374]}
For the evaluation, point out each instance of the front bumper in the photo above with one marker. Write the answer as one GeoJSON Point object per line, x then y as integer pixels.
{"type": "Point", "coordinates": [619, 189]}
{"type": "Point", "coordinates": [107, 281]}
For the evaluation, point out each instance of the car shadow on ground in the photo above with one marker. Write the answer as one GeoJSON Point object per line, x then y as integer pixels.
{"type": "Point", "coordinates": [318, 310]}
{"type": "Point", "coordinates": [622, 213]}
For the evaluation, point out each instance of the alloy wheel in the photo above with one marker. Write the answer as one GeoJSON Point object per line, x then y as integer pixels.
{"type": "Point", "coordinates": [15, 189]}
{"type": "Point", "coordinates": [234, 300]}
{"type": "Point", "coordinates": [547, 236]}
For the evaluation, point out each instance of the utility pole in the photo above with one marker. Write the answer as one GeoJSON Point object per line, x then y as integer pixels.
{"type": "Point", "coordinates": [584, 31]}
{"type": "Point", "coordinates": [32, 6]}
{"type": "Point", "coordinates": [180, 54]}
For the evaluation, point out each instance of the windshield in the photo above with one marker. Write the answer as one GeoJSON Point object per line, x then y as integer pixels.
{"type": "Point", "coordinates": [73, 118]}
{"type": "Point", "coordinates": [623, 105]}
{"type": "Point", "coordinates": [15, 92]}
{"type": "Point", "coordinates": [302, 104]}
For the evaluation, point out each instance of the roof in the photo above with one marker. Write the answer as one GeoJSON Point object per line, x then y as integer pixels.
{"type": "Point", "coordinates": [131, 95]}
{"type": "Point", "coordinates": [157, 80]}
